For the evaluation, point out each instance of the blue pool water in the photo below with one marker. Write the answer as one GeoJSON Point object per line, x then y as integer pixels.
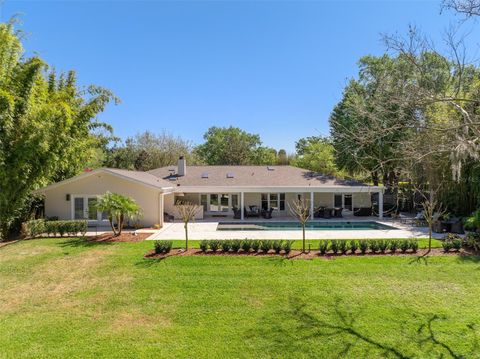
{"type": "Point", "coordinates": [286, 226]}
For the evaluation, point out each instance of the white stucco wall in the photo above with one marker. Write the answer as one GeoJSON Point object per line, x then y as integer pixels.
{"type": "Point", "coordinates": [97, 184]}
{"type": "Point", "coordinates": [362, 199]}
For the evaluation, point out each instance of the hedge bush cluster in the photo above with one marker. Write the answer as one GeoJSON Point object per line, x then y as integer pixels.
{"type": "Point", "coordinates": [472, 241]}
{"type": "Point", "coordinates": [452, 241]}
{"type": "Point", "coordinates": [163, 246]}
{"type": "Point", "coordinates": [246, 246]}
{"type": "Point", "coordinates": [339, 246]}
{"type": "Point", "coordinates": [37, 227]}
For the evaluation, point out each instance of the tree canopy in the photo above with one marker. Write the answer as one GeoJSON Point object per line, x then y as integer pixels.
{"type": "Point", "coordinates": [48, 126]}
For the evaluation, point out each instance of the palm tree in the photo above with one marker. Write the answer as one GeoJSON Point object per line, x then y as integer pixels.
{"type": "Point", "coordinates": [118, 208]}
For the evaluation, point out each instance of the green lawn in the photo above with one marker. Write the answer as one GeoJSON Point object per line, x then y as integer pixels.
{"type": "Point", "coordinates": [65, 298]}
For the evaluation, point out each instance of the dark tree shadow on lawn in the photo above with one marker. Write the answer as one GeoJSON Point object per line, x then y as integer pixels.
{"type": "Point", "coordinates": [467, 258]}
{"type": "Point", "coordinates": [83, 242]}
{"type": "Point", "coordinates": [151, 262]}
{"type": "Point", "coordinates": [280, 261]}
{"type": "Point", "coordinates": [299, 325]}
{"type": "Point", "coordinates": [419, 260]}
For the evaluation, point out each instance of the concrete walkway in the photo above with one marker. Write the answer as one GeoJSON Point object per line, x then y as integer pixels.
{"type": "Point", "coordinates": [208, 230]}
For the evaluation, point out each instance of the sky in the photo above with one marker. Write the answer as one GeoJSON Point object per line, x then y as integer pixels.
{"type": "Point", "coordinates": [272, 68]}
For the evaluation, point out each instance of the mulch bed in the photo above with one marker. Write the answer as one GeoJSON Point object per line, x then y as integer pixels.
{"type": "Point", "coordinates": [124, 237]}
{"type": "Point", "coordinates": [296, 254]}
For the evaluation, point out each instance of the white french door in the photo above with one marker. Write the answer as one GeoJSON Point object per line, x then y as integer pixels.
{"type": "Point", "coordinates": [84, 207]}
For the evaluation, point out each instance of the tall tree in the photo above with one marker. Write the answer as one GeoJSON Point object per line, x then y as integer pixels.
{"type": "Point", "coordinates": [46, 126]}
{"type": "Point", "coordinates": [146, 151]}
{"type": "Point", "coordinates": [234, 146]}
{"type": "Point", "coordinates": [316, 153]}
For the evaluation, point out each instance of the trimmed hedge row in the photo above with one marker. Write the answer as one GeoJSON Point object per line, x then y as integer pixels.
{"type": "Point", "coordinates": [246, 246]}
{"type": "Point", "coordinates": [339, 246]}
{"type": "Point", "coordinates": [37, 227]}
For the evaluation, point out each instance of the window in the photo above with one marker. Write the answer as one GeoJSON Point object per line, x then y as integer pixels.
{"type": "Point", "coordinates": [282, 201]}
{"type": "Point", "coordinates": [214, 202]}
{"type": "Point", "coordinates": [235, 200]}
{"type": "Point", "coordinates": [203, 202]}
{"type": "Point", "coordinates": [264, 201]}
{"type": "Point", "coordinates": [230, 175]}
{"type": "Point", "coordinates": [78, 208]}
{"type": "Point", "coordinates": [204, 175]}
{"type": "Point", "coordinates": [274, 201]}
{"type": "Point", "coordinates": [92, 209]}
{"type": "Point", "coordinates": [224, 203]}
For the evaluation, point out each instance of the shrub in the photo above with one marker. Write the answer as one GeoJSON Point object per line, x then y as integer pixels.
{"type": "Point", "coordinates": [323, 248]}
{"type": "Point", "coordinates": [472, 240]}
{"type": "Point", "coordinates": [33, 228]}
{"type": "Point", "coordinates": [265, 245]}
{"type": "Point", "coordinates": [163, 246]}
{"type": "Point", "coordinates": [353, 246]}
{"type": "Point", "coordinates": [277, 246]}
{"type": "Point", "coordinates": [363, 244]}
{"type": "Point", "coordinates": [334, 246]}
{"type": "Point", "coordinates": [447, 245]}
{"type": "Point", "coordinates": [287, 246]}
{"type": "Point", "coordinates": [204, 245]}
{"type": "Point", "coordinates": [343, 247]}
{"type": "Point", "coordinates": [226, 245]}
{"type": "Point", "coordinates": [457, 244]}
{"type": "Point", "coordinates": [373, 245]}
{"type": "Point", "coordinates": [393, 245]}
{"type": "Point", "coordinates": [214, 245]}
{"type": "Point", "coordinates": [452, 241]}
{"type": "Point", "coordinates": [255, 245]}
{"type": "Point", "coordinates": [404, 245]}
{"type": "Point", "coordinates": [414, 245]}
{"type": "Point", "coordinates": [383, 245]}
{"type": "Point", "coordinates": [64, 227]}
{"type": "Point", "coordinates": [246, 245]}
{"type": "Point", "coordinates": [236, 245]}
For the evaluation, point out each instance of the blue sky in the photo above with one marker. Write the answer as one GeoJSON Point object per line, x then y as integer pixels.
{"type": "Point", "coordinates": [272, 68]}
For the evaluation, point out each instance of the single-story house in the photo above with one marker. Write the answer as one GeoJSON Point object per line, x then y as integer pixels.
{"type": "Point", "coordinates": [221, 191]}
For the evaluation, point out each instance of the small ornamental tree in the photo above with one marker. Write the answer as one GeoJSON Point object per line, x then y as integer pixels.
{"type": "Point", "coordinates": [187, 212]}
{"type": "Point", "coordinates": [119, 208]}
{"type": "Point", "coordinates": [300, 209]}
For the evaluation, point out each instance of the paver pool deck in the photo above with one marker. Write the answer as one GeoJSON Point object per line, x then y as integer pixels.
{"type": "Point", "coordinates": [208, 230]}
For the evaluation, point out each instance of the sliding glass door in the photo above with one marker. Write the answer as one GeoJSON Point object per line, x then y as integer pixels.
{"type": "Point", "coordinates": [85, 207]}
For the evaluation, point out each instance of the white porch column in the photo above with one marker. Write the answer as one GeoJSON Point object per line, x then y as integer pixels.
{"type": "Point", "coordinates": [311, 205]}
{"type": "Point", "coordinates": [242, 205]}
{"type": "Point", "coordinates": [380, 204]}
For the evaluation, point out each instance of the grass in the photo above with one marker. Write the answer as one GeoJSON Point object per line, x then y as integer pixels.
{"type": "Point", "coordinates": [69, 298]}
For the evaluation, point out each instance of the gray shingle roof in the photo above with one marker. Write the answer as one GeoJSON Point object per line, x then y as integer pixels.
{"type": "Point", "coordinates": [143, 177]}
{"type": "Point", "coordinates": [261, 176]}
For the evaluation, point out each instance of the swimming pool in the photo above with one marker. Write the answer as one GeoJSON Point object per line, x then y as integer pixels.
{"type": "Point", "coordinates": [288, 226]}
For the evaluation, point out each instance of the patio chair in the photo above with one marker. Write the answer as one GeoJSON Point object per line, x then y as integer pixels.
{"type": "Point", "coordinates": [319, 212]}
{"type": "Point", "coordinates": [237, 213]}
{"type": "Point", "coordinates": [168, 217]}
{"type": "Point", "coordinates": [267, 214]}
{"type": "Point", "coordinates": [338, 212]}
{"type": "Point", "coordinates": [254, 212]}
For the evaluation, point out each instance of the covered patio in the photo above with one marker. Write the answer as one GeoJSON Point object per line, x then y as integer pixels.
{"type": "Point", "coordinates": [265, 203]}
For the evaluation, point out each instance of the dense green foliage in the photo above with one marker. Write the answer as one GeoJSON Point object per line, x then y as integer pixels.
{"type": "Point", "coordinates": [37, 227]}
{"type": "Point", "coordinates": [48, 127]}
{"type": "Point", "coordinates": [234, 146]}
{"type": "Point", "coordinates": [412, 117]}
{"type": "Point", "coordinates": [68, 298]}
